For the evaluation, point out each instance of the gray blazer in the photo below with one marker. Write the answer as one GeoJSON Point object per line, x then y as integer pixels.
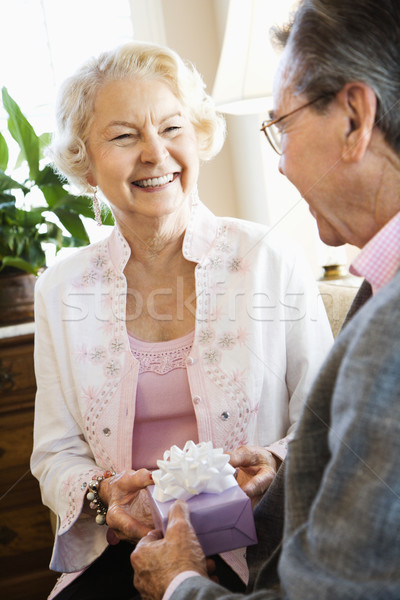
{"type": "Point", "coordinates": [342, 481]}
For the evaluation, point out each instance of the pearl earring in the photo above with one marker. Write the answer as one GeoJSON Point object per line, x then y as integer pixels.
{"type": "Point", "coordinates": [96, 208]}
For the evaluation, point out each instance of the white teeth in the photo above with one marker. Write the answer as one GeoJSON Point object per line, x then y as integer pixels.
{"type": "Point", "coordinates": [155, 181]}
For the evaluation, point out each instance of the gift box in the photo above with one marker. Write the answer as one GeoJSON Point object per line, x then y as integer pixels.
{"type": "Point", "coordinates": [220, 512]}
{"type": "Point", "coordinates": [221, 521]}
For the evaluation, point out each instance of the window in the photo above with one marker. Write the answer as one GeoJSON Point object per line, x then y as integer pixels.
{"type": "Point", "coordinates": [44, 41]}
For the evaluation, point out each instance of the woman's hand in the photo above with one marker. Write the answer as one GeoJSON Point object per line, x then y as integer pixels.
{"type": "Point", "coordinates": [118, 492]}
{"type": "Point", "coordinates": [257, 468]}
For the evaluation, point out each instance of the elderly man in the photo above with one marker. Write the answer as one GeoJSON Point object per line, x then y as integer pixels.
{"type": "Point", "coordinates": [336, 125]}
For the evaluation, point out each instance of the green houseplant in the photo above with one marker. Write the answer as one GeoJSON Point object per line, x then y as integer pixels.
{"type": "Point", "coordinates": [36, 208]}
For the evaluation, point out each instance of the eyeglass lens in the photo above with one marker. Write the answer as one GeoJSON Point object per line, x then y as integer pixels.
{"type": "Point", "coordinates": [275, 137]}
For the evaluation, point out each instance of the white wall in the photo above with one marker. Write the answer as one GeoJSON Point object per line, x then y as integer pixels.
{"type": "Point", "coordinates": [191, 30]}
{"type": "Point", "coordinates": [243, 180]}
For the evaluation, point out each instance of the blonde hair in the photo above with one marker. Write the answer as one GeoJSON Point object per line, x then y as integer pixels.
{"type": "Point", "coordinates": [77, 95]}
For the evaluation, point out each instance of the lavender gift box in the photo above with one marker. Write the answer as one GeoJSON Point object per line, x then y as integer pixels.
{"type": "Point", "coordinates": [222, 521]}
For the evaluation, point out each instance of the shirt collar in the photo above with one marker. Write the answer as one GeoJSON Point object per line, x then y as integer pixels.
{"type": "Point", "coordinates": [199, 237]}
{"type": "Point", "coordinates": [379, 260]}
{"type": "Point", "coordinates": [200, 233]}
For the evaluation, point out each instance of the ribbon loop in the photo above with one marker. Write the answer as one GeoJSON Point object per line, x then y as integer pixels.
{"type": "Point", "coordinates": [195, 469]}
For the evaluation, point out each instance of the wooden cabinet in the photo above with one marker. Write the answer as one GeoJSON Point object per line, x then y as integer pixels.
{"type": "Point", "coordinates": [26, 538]}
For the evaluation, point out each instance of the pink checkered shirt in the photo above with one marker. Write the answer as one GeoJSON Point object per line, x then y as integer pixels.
{"type": "Point", "coordinates": [379, 260]}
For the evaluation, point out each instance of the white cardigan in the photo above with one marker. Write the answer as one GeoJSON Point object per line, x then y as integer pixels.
{"type": "Point", "coordinates": [261, 335]}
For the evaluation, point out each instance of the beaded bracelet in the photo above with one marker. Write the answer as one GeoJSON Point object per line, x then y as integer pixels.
{"type": "Point", "coordinates": [94, 498]}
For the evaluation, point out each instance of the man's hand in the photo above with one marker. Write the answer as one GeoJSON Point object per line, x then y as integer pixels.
{"type": "Point", "coordinates": [257, 469]}
{"type": "Point", "coordinates": [118, 492]}
{"type": "Point", "coordinates": [156, 560]}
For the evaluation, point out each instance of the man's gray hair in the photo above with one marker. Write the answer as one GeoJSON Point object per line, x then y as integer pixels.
{"type": "Point", "coordinates": [333, 42]}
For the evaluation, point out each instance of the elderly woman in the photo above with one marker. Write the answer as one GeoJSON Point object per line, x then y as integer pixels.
{"type": "Point", "coordinates": [180, 326]}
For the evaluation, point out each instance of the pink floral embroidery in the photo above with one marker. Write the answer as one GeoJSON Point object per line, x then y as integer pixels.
{"type": "Point", "coordinates": [112, 368]}
{"type": "Point", "coordinates": [215, 262]}
{"type": "Point", "coordinates": [212, 356]}
{"type": "Point", "coordinates": [227, 341]}
{"type": "Point", "coordinates": [90, 394]}
{"type": "Point", "coordinates": [99, 261]}
{"type": "Point", "coordinates": [97, 354]}
{"type": "Point", "coordinates": [234, 264]}
{"type": "Point", "coordinates": [89, 278]}
{"type": "Point", "coordinates": [116, 346]}
{"type": "Point", "coordinates": [206, 336]}
{"type": "Point", "coordinates": [108, 276]}
{"type": "Point", "coordinates": [239, 377]}
{"type": "Point", "coordinates": [223, 247]}
{"type": "Point", "coordinates": [238, 264]}
{"type": "Point", "coordinates": [242, 336]}
{"type": "Point", "coordinates": [81, 353]}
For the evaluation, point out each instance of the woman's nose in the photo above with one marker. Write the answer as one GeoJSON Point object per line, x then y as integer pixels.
{"type": "Point", "coordinates": [153, 149]}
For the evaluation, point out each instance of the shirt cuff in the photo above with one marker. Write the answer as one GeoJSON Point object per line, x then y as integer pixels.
{"type": "Point", "coordinates": [177, 581]}
{"type": "Point", "coordinates": [279, 448]}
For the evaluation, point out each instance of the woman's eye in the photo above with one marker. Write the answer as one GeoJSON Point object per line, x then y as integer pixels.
{"type": "Point", "coordinates": [172, 129]}
{"type": "Point", "coordinates": [122, 136]}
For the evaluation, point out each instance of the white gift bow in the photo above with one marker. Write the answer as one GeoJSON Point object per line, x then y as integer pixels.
{"type": "Point", "coordinates": [195, 469]}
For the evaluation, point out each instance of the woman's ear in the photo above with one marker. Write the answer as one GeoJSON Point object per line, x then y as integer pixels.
{"type": "Point", "coordinates": [359, 102]}
{"type": "Point", "coordinates": [90, 178]}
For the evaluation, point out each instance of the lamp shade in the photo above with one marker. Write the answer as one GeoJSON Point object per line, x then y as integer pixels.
{"type": "Point", "coordinates": [244, 79]}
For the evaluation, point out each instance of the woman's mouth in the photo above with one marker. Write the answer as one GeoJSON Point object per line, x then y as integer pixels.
{"type": "Point", "coordinates": [155, 181]}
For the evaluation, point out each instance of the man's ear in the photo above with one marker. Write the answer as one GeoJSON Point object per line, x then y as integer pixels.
{"type": "Point", "coordinates": [359, 102]}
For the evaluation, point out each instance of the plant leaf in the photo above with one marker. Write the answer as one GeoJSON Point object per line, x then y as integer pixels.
{"type": "Point", "coordinates": [36, 255]}
{"type": "Point", "coordinates": [44, 141]}
{"type": "Point", "coordinates": [3, 153]}
{"type": "Point", "coordinates": [20, 160]}
{"type": "Point", "coordinates": [23, 133]}
{"type": "Point", "coordinates": [48, 176]}
{"type": "Point", "coordinates": [81, 205]}
{"type": "Point", "coordinates": [7, 183]}
{"type": "Point", "coordinates": [72, 242]}
{"type": "Point", "coordinates": [73, 224]}
{"type": "Point", "coordinates": [30, 218]}
{"type": "Point", "coordinates": [52, 194]}
{"type": "Point", "coordinates": [107, 217]}
{"type": "Point", "coordinates": [18, 263]}
{"type": "Point", "coordinates": [53, 235]}
{"type": "Point", "coordinates": [51, 186]}
{"type": "Point", "coordinates": [7, 203]}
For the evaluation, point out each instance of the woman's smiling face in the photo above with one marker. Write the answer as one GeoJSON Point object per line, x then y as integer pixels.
{"type": "Point", "coordinates": [143, 148]}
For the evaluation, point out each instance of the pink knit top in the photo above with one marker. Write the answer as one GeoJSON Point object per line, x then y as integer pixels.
{"type": "Point", "coordinates": [164, 413]}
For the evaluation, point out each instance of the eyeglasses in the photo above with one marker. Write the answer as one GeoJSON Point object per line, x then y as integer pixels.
{"type": "Point", "coordinates": [274, 134]}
